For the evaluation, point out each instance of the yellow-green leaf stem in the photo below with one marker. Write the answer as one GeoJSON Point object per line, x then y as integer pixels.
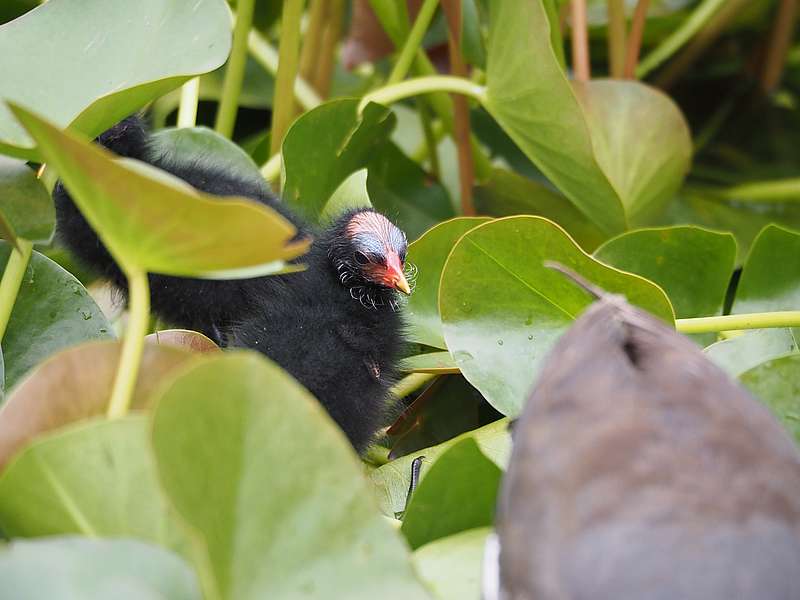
{"type": "Point", "coordinates": [788, 318]}
{"type": "Point", "coordinates": [288, 58]}
{"type": "Point", "coordinates": [12, 279]}
{"type": "Point", "coordinates": [413, 41]}
{"type": "Point", "coordinates": [266, 55]}
{"type": "Point", "coordinates": [777, 190]}
{"type": "Point", "coordinates": [616, 37]}
{"type": "Point", "coordinates": [411, 383]}
{"type": "Point", "coordinates": [187, 110]}
{"type": "Point", "coordinates": [424, 85]}
{"type": "Point", "coordinates": [672, 43]}
{"type": "Point", "coordinates": [139, 310]}
{"type": "Point", "coordinates": [234, 73]}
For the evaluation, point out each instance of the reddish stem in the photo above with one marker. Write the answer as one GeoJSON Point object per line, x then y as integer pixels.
{"type": "Point", "coordinates": [461, 127]}
{"type": "Point", "coordinates": [581, 66]}
{"type": "Point", "coordinates": [635, 39]}
{"type": "Point", "coordinates": [780, 40]}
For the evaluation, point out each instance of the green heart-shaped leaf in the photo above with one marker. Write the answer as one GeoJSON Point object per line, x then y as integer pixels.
{"type": "Point", "coordinates": [205, 145]}
{"type": "Point", "coordinates": [616, 149]}
{"type": "Point", "coordinates": [777, 383]}
{"type": "Point", "coordinates": [459, 493]}
{"type": "Point", "coordinates": [751, 348]}
{"type": "Point", "coordinates": [391, 481]}
{"type": "Point", "coordinates": [95, 478]}
{"type": "Point", "coordinates": [75, 385]}
{"type": "Point", "coordinates": [506, 194]}
{"type": "Point", "coordinates": [52, 311]}
{"type": "Point", "coordinates": [692, 265]}
{"type": "Point", "coordinates": [452, 566]}
{"type": "Point", "coordinates": [327, 144]}
{"type": "Point", "coordinates": [503, 309]}
{"type": "Point", "coordinates": [152, 221]}
{"type": "Point", "coordinates": [641, 142]}
{"type": "Point", "coordinates": [428, 255]}
{"type": "Point", "coordinates": [92, 569]}
{"type": "Point", "coordinates": [26, 209]}
{"type": "Point", "coordinates": [230, 438]}
{"type": "Point", "coordinates": [87, 65]}
{"type": "Point", "coordinates": [351, 194]}
{"type": "Point", "coordinates": [743, 218]}
{"type": "Point", "coordinates": [770, 278]}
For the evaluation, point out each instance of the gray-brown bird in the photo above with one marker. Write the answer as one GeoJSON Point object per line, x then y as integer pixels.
{"type": "Point", "coordinates": [641, 471]}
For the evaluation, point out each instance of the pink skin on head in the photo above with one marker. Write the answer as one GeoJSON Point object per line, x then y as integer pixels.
{"type": "Point", "coordinates": [376, 225]}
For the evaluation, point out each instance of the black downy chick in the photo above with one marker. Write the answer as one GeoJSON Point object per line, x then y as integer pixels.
{"type": "Point", "coordinates": [641, 470]}
{"type": "Point", "coordinates": [335, 326]}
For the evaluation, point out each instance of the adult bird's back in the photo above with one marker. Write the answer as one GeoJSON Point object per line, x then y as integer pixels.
{"type": "Point", "coordinates": [642, 471]}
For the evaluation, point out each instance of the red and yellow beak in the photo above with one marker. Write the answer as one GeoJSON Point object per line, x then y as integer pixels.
{"type": "Point", "coordinates": [394, 277]}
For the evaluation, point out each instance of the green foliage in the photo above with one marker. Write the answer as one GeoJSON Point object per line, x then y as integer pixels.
{"type": "Point", "coordinates": [263, 534]}
{"type": "Point", "coordinates": [458, 494]}
{"type": "Point", "coordinates": [25, 207]}
{"type": "Point", "coordinates": [777, 383]}
{"type": "Point", "coordinates": [692, 265]}
{"type": "Point", "coordinates": [93, 569]}
{"type": "Point", "coordinates": [52, 311]}
{"type": "Point", "coordinates": [206, 144]}
{"type": "Point", "coordinates": [143, 214]}
{"type": "Point", "coordinates": [326, 145]}
{"type": "Point", "coordinates": [771, 275]}
{"type": "Point", "coordinates": [113, 74]}
{"type": "Point", "coordinates": [95, 478]}
{"type": "Point", "coordinates": [392, 480]}
{"type": "Point", "coordinates": [502, 307]}
{"type": "Point", "coordinates": [451, 566]}
{"type": "Point", "coordinates": [612, 172]}
{"type": "Point", "coordinates": [74, 385]}
{"type": "Point", "coordinates": [429, 254]}
{"type": "Point", "coordinates": [229, 477]}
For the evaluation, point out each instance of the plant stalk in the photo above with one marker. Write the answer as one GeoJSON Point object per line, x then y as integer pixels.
{"type": "Point", "coordinates": [133, 344]}
{"type": "Point", "coordinates": [288, 55]}
{"type": "Point", "coordinates": [12, 280]}
{"type": "Point", "coordinates": [461, 129]}
{"type": "Point", "coordinates": [234, 73]}
{"type": "Point", "coordinates": [330, 40]}
{"type": "Point", "coordinates": [413, 41]}
{"type": "Point", "coordinates": [706, 36]}
{"type": "Point", "coordinates": [635, 39]}
{"type": "Point", "coordinates": [312, 38]}
{"type": "Point", "coordinates": [780, 39]}
{"type": "Point", "coordinates": [411, 383]}
{"type": "Point", "coordinates": [187, 110]}
{"type": "Point", "coordinates": [396, 28]}
{"type": "Point", "coordinates": [696, 21]}
{"type": "Point", "coordinates": [765, 320]}
{"type": "Point", "coordinates": [267, 56]}
{"type": "Point", "coordinates": [616, 37]}
{"type": "Point", "coordinates": [424, 85]}
{"type": "Point", "coordinates": [778, 190]}
{"type": "Point", "coordinates": [581, 64]}
{"type": "Point", "coordinates": [271, 170]}
{"type": "Point", "coordinates": [431, 142]}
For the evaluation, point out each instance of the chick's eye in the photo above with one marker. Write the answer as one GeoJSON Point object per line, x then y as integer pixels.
{"type": "Point", "coordinates": [361, 258]}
